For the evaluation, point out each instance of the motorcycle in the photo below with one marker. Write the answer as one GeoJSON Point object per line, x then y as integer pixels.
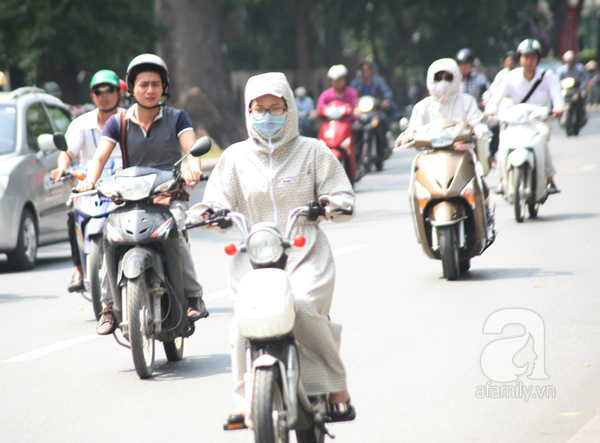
{"type": "Point", "coordinates": [572, 119]}
{"type": "Point", "coordinates": [265, 311]}
{"type": "Point", "coordinates": [521, 155]}
{"type": "Point", "coordinates": [453, 218]}
{"type": "Point", "coordinates": [143, 261]}
{"type": "Point", "coordinates": [337, 135]}
{"type": "Point", "coordinates": [373, 149]}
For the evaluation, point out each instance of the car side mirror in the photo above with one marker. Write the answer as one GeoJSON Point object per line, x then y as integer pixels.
{"type": "Point", "coordinates": [201, 146]}
{"type": "Point", "coordinates": [60, 142]}
{"type": "Point", "coordinates": [403, 124]}
{"type": "Point", "coordinates": [46, 143]}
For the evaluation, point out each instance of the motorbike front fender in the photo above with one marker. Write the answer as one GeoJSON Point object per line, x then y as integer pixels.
{"type": "Point", "coordinates": [95, 226]}
{"type": "Point", "coordinates": [137, 260]}
{"type": "Point", "coordinates": [265, 361]}
{"type": "Point", "coordinates": [519, 157]}
{"type": "Point", "coordinates": [446, 213]}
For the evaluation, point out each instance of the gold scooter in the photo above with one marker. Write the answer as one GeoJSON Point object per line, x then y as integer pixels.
{"type": "Point", "coordinates": [450, 203]}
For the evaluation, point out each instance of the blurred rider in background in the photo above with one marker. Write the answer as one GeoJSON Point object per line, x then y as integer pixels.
{"type": "Point", "coordinates": [472, 82]}
{"type": "Point", "coordinates": [305, 106]}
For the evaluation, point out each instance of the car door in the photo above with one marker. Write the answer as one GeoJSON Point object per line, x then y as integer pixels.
{"type": "Point", "coordinates": [48, 196]}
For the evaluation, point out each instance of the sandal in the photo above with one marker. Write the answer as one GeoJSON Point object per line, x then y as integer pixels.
{"type": "Point", "coordinates": [234, 422]}
{"type": "Point", "coordinates": [341, 412]}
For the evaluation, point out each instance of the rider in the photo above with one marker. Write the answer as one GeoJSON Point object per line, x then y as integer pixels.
{"type": "Point", "coordinates": [305, 105]}
{"type": "Point", "coordinates": [517, 85]}
{"type": "Point", "coordinates": [155, 137]}
{"type": "Point", "coordinates": [577, 71]}
{"type": "Point", "coordinates": [472, 82]}
{"type": "Point", "coordinates": [375, 86]}
{"type": "Point", "coordinates": [248, 179]}
{"type": "Point", "coordinates": [82, 139]}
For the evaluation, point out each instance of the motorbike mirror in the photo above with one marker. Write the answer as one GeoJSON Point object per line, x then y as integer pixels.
{"type": "Point", "coordinates": [403, 124]}
{"type": "Point", "coordinates": [201, 146]}
{"type": "Point", "coordinates": [45, 143]}
{"type": "Point", "coordinates": [59, 141]}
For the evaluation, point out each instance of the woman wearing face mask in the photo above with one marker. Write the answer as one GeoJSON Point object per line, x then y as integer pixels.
{"type": "Point", "coordinates": [445, 101]}
{"type": "Point", "coordinates": [264, 177]}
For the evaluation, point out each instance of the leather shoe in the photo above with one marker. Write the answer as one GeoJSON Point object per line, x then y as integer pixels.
{"type": "Point", "coordinates": [196, 309]}
{"type": "Point", "coordinates": [552, 189]}
{"type": "Point", "coordinates": [76, 284]}
{"type": "Point", "coordinates": [107, 323]}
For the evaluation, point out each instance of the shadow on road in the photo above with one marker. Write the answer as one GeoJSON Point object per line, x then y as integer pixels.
{"type": "Point", "coordinates": [13, 298]}
{"type": "Point", "coordinates": [506, 273]}
{"type": "Point", "coordinates": [560, 217]}
{"type": "Point", "coordinates": [42, 264]}
{"type": "Point", "coordinates": [191, 367]}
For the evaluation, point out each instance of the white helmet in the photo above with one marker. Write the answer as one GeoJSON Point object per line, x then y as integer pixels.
{"type": "Point", "coordinates": [569, 56]}
{"type": "Point", "coordinates": [530, 46]}
{"type": "Point", "coordinates": [337, 71]}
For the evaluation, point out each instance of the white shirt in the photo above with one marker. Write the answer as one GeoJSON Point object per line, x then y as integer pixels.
{"type": "Point", "coordinates": [516, 86]}
{"type": "Point", "coordinates": [83, 136]}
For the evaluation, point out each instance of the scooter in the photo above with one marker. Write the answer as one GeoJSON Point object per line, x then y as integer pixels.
{"type": "Point", "coordinates": [265, 311]}
{"type": "Point", "coordinates": [143, 261]}
{"type": "Point", "coordinates": [453, 218]}
{"type": "Point", "coordinates": [372, 150]}
{"type": "Point", "coordinates": [572, 119]}
{"type": "Point", "coordinates": [337, 135]}
{"type": "Point", "coordinates": [521, 157]}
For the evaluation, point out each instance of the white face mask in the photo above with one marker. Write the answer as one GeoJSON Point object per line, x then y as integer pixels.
{"type": "Point", "coordinates": [440, 87]}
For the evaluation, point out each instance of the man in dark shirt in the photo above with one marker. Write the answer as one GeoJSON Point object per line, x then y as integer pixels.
{"type": "Point", "coordinates": [155, 136]}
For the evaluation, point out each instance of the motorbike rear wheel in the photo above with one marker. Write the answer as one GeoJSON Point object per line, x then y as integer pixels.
{"type": "Point", "coordinates": [94, 267]}
{"type": "Point", "coordinates": [465, 265]}
{"type": "Point", "coordinates": [449, 252]}
{"type": "Point", "coordinates": [174, 349]}
{"type": "Point", "coordinates": [314, 435]}
{"type": "Point", "coordinates": [520, 196]}
{"type": "Point", "coordinates": [533, 209]}
{"type": "Point", "coordinates": [571, 120]}
{"type": "Point", "coordinates": [267, 402]}
{"type": "Point", "coordinates": [141, 334]}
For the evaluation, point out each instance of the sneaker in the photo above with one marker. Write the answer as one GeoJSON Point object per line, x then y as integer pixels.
{"type": "Point", "coordinates": [552, 189]}
{"type": "Point", "coordinates": [499, 189]}
{"type": "Point", "coordinates": [196, 309]}
{"type": "Point", "coordinates": [107, 323]}
{"type": "Point", "coordinates": [76, 284]}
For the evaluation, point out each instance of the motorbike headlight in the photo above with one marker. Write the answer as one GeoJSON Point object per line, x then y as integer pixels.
{"type": "Point", "coordinates": [567, 83]}
{"type": "Point", "coordinates": [442, 138]}
{"type": "Point", "coordinates": [264, 246]}
{"type": "Point", "coordinates": [366, 104]}
{"type": "Point", "coordinates": [3, 184]}
{"type": "Point", "coordinates": [135, 188]}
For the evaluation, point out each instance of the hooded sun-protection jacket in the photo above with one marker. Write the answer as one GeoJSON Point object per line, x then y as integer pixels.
{"type": "Point", "coordinates": [451, 104]}
{"type": "Point", "coordinates": [264, 179]}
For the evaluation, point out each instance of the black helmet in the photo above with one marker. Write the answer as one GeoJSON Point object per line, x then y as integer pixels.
{"type": "Point", "coordinates": [530, 46]}
{"type": "Point", "coordinates": [144, 63]}
{"type": "Point", "coordinates": [365, 61]}
{"type": "Point", "coordinates": [465, 55]}
{"type": "Point", "coordinates": [511, 54]}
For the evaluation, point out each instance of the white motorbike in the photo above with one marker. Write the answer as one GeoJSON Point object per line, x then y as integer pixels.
{"type": "Point", "coordinates": [522, 157]}
{"type": "Point", "coordinates": [265, 311]}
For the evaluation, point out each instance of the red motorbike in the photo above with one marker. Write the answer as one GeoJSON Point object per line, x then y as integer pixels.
{"type": "Point", "coordinates": [336, 133]}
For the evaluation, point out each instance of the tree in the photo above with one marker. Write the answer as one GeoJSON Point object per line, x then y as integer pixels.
{"type": "Point", "coordinates": [195, 52]}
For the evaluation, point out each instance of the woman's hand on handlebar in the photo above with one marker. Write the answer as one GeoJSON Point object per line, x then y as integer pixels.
{"type": "Point", "coordinates": [86, 185]}
{"type": "Point", "coordinates": [192, 177]}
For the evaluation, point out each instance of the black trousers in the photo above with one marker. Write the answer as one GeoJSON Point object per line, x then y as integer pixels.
{"type": "Point", "coordinates": [73, 238]}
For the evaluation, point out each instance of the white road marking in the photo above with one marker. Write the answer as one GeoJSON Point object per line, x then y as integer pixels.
{"type": "Point", "coordinates": [52, 348]}
{"type": "Point", "coordinates": [347, 249]}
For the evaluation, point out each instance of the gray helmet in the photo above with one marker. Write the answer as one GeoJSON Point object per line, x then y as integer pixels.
{"type": "Point", "coordinates": [52, 88]}
{"type": "Point", "coordinates": [144, 63]}
{"type": "Point", "coordinates": [530, 46]}
{"type": "Point", "coordinates": [465, 55]}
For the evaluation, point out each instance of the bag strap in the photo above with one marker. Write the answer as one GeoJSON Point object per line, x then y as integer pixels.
{"type": "Point", "coordinates": [533, 87]}
{"type": "Point", "coordinates": [123, 141]}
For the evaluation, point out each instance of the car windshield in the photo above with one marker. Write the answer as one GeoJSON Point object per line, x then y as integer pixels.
{"type": "Point", "coordinates": [7, 129]}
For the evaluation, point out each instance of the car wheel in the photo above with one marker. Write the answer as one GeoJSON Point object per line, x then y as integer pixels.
{"type": "Point", "coordinates": [23, 257]}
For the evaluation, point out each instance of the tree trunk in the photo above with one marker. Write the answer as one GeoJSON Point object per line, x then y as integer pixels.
{"type": "Point", "coordinates": [302, 28]}
{"type": "Point", "coordinates": [560, 10]}
{"type": "Point", "coordinates": [194, 51]}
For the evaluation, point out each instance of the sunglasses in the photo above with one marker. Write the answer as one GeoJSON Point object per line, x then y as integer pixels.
{"type": "Point", "coordinates": [438, 77]}
{"type": "Point", "coordinates": [107, 90]}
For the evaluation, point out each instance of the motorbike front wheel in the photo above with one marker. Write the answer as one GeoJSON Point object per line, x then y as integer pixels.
{"type": "Point", "coordinates": [94, 267]}
{"type": "Point", "coordinates": [141, 336]}
{"type": "Point", "coordinates": [571, 120]}
{"type": "Point", "coordinates": [520, 197]}
{"type": "Point", "coordinates": [449, 252]}
{"type": "Point", "coordinates": [174, 349]}
{"type": "Point", "coordinates": [267, 403]}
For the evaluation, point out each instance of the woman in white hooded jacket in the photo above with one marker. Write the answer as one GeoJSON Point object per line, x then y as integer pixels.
{"type": "Point", "coordinates": [263, 177]}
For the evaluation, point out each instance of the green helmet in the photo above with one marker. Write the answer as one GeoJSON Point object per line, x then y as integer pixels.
{"type": "Point", "coordinates": [105, 77]}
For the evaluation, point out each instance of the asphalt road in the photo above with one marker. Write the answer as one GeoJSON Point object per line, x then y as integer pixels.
{"type": "Point", "coordinates": [412, 341]}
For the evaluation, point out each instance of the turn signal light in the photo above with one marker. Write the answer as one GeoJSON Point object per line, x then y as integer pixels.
{"type": "Point", "coordinates": [299, 241]}
{"type": "Point", "coordinates": [469, 195]}
{"type": "Point", "coordinates": [230, 249]}
{"type": "Point", "coordinates": [78, 175]}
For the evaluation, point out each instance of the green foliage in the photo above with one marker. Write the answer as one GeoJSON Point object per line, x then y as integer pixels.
{"type": "Point", "coordinates": [41, 36]}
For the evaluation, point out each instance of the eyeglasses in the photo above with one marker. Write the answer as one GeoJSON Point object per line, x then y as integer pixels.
{"type": "Point", "coordinates": [438, 77]}
{"type": "Point", "coordinates": [273, 111]}
{"type": "Point", "coordinates": [107, 90]}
